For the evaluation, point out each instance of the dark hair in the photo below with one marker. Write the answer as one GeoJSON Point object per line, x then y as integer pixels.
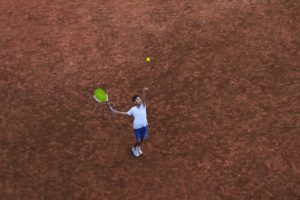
{"type": "Point", "coordinates": [134, 97]}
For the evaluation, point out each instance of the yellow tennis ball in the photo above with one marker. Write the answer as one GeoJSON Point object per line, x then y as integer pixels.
{"type": "Point", "coordinates": [148, 59]}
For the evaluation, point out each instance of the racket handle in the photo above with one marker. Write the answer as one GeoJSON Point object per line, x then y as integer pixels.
{"type": "Point", "coordinates": [108, 105]}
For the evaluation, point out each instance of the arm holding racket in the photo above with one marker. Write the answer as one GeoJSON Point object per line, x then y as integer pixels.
{"type": "Point", "coordinates": [115, 111]}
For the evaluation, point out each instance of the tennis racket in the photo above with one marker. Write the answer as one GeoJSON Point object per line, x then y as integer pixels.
{"type": "Point", "coordinates": [101, 96]}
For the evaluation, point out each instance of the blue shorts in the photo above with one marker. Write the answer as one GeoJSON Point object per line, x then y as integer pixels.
{"type": "Point", "coordinates": [141, 133]}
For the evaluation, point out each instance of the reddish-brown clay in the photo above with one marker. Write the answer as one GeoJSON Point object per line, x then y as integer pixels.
{"type": "Point", "coordinates": [223, 107]}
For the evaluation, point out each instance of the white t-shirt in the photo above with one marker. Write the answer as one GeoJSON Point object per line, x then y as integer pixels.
{"type": "Point", "coordinates": [140, 116]}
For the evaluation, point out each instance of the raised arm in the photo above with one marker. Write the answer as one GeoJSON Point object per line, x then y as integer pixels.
{"type": "Point", "coordinates": [144, 95]}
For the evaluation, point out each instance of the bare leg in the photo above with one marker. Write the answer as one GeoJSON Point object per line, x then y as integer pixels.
{"type": "Point", "coordinates": [137, 143]}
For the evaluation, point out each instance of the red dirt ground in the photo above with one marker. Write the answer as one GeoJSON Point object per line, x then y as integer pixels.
{"type": "Point", "coordinates": [223, 100]}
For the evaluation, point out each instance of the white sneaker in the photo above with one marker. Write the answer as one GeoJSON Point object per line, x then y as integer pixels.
{"type": "Point", "coordinates": [139, 150]}
{"type": "Point", "coordinates": [135, 152]}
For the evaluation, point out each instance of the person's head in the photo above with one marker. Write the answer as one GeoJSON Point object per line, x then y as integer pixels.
{"type": "Point", "coordinates": [137, 99]}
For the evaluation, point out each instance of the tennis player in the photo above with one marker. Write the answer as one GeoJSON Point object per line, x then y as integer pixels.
{"type": "Point", "coordinates": [140, 123]}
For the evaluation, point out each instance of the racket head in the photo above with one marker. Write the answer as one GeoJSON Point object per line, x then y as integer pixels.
{"type": "Point", "coordinates": [100, 95]}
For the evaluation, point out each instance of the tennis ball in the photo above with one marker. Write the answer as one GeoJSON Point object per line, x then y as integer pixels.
{"type": "Point", "coordinates": [148, 59]}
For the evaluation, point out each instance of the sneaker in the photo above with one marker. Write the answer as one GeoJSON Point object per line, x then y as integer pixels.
{"type": "Point", "coordinates": [135, 152]}
{"type": "Point", "coordinates": [139, 150]}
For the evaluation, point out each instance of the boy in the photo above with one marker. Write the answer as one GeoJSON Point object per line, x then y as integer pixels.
{"type": "Point", "coordinates": [140, 123]}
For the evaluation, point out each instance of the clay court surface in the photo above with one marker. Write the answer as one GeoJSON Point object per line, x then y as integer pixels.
{"type": "Point", "coordinates": [223, 104]}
